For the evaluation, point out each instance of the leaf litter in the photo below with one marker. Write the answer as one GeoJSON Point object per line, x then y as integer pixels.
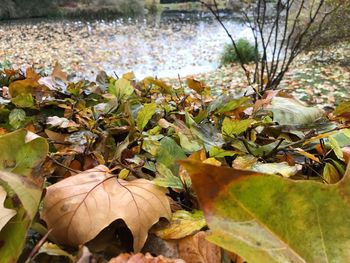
{"type": "Point", "coordinates": [106, 150]}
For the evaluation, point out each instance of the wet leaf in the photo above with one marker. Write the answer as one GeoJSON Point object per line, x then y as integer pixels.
{"type": "Point", "coordinates": [70, 206]}
{"type": "Point", "coordinates": [268, 218]}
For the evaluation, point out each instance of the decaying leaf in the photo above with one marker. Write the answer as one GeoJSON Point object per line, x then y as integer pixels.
{"type": "Point", "coordinates": [79, 207]}
{"type": "Point", "coordinates": [266, 218]}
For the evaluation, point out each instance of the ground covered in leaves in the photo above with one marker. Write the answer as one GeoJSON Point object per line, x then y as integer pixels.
{"type": "Point", "coordinates": [116, 166]}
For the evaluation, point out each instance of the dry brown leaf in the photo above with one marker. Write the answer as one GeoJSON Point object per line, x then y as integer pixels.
{"type": "Point", "coordinates": [141, 258]}
{"type": "Point", "coordinates": [79, 207]}
{"type": "Point", "coordinates": [196, 85]}
{"type": "Point", "coordinates": [58, 72]}
{"type": "Point", "coordinates": [192, 249]}
{"type": "Point", "coordinates": [196, 249]}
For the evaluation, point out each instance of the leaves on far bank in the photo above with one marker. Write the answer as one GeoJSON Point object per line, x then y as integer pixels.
{"type": "Point", "coordinates": [81, 206]}
{"type": "Point", "coordinates": [257, 215]}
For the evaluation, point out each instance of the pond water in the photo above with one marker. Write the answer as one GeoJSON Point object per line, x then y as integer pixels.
{"type": "Point", "coordinates": [164, 46]}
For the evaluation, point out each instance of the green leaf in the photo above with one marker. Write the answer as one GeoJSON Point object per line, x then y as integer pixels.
{"type": "Point", "coordinates": [25, 100]}
{"type": "Point", "coordinates": [217, 152]}
{"type": "Point", "coordinates": [170, 152]}
{"type": "Point", "coordinates": [27, 152]}
{"type": "Point", "coordinates": [145, 114]}
{"type": "Point", "coordinates": [166, 178]}
{"type": "Point", "coordinates": [17, 118]}
{"type": "Point", "coordinates": [188, 145]}
{"type": "Point", "coordinates": [342, 109]}
{"type": "Point", "coordinates": [331, 174]}
{"type": "Point", "coordinates": [13, 235]}
{"type": "Point", "coordinates": [182, 224]}
{"type": "Point", "coordinates": [235, 127]}
{"type": "Point", "coordinates": [266, 218]}
{"type": "Point", "coordinates": [54, 250]}
{"type": "Point", "coordinates": [121, 88]}
{"type": "Point", "coordinates": [233, 104]}
{"type": "Point", "coordinates": [287, 111]}
{"type": "Point", "coordinates": [151, 146]}
{"type": "Point", "coordinates": [338, 141]}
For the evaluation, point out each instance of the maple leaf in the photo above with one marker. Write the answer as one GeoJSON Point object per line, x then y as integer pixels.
{"type": "Point", "coordinates": [81, 206]}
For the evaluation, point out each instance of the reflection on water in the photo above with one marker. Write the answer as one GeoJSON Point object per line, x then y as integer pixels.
{"type": "Point", "coordinates": [163, 46]}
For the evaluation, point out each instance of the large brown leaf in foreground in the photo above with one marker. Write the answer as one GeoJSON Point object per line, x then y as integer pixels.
{"type": "Point", "coordinates": [267, 218]}
{"type": "Point", "coordinates": [79, 207]}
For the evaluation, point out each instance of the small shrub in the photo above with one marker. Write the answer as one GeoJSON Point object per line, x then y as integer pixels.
{"type": "Point", "coordinates": [246, 50]}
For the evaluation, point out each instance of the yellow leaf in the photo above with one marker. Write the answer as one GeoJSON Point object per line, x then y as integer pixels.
{"type": "Point", "coordinates": [196, 85]}
{"type": "Point", "coordinates": [307, 155]}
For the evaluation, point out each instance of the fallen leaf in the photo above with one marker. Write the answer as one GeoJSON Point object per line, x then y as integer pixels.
{"type": "Point", "coordinates": [196, 85]}
{"type": "Point", "coordinates": [268, 218]}
{"type": "Point", "coordinates": [231, 128]}
{"type": "Point", "coordinates": [25, 199]}
{"type": "Point", "coordinates": [81, 206]}
{"type": "Point", "coordinates": [5, 213]}
{"type": "Point", "coordinates": [288, 111]}
{"type": "Point", "coordinates": [196, 249]}
{"type": "Point", "coordinates": [26, 155]}
{"type": "Point", "coordinates": [58, 72]}
{"type": "Point", "coordinates": [145, 114]}
{"type": "Point", "coordinates": [182, 224]}
{"type": "Point", "coordinates": [61, 122]}
{"type": "Point", "coordinates": [141, 258]}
